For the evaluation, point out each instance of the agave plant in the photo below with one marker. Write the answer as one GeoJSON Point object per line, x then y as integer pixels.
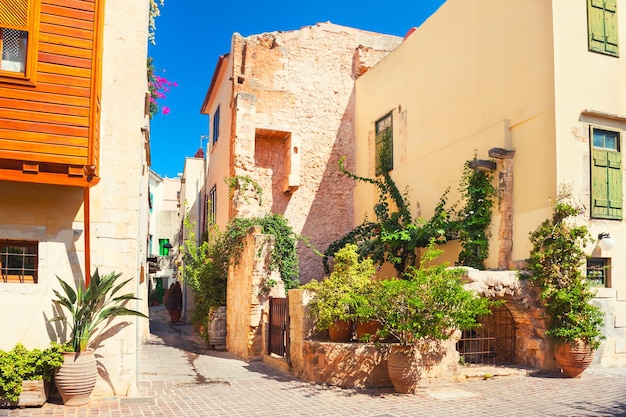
{"type": "Point", "coordinates": [90, 306]}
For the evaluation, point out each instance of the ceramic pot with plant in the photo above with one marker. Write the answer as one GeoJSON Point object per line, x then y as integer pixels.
{"type": "Point", "coordinates": [420, 309]}
{"type": "Point", "coordinates": [556, 260]}
{"type": "Point", "coordinates": [336, 298]}
{"type": "Point", "coordinates": [88, 307]}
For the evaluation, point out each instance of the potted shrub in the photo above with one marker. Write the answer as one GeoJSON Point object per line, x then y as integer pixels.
{"type": "Point", "coordinates": [341, 298]}
{"type": "Point", "coordinates": [555, 262]}
{"type": "Point", "coordinates": [420, 310]}
{"type": "Point", "coordinates": [88, 307]}
{"type": "Point", "coordinates": [24, 373]}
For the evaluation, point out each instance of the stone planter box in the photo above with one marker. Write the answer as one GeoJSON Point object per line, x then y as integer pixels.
{"type": "Point", "coordinates": [34, 394]}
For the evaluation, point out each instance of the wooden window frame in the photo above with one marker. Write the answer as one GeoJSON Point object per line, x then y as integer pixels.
{"type": "Point", "coordinates": [21, 277]}
{"type": "Point", "coordinates": [606, 183]}
{"type": "Point", "coordinates": [31, 28]}
{"type": "Point", "coordinates": [384, 144]}
{"type": "Point", "coordinates": [212, 204]}
{"type": "Point", "coordinates": [601, 268]}
{"type": "Point", "coordinates": [602, 27]}
{"type": "Point", "coordinates": [216, 125]}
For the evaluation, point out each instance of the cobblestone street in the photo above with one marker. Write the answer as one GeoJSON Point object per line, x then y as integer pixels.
{"type": "Point", "coordinates": [179, 377]}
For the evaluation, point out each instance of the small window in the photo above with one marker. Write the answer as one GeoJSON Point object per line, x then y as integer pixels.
{"type": "Point", "coordinates": [18, 261]}
{"type": "Point", "coordinates": [602, 26]}
{"type": "Point", "coordinates": [606, 174]}
{"type": "Point", "coordinates": [384, 144]}
{"type": "Point", "coordinates": [17, 51]}
{"type": "Point", "coordinates": [213, 204]}
{"type": "Point", "coordinates": [216, 124]}
{"type": "Point", "coordinates": [164, 247]}
{"type": "Point", "coordinates": [599, 272]}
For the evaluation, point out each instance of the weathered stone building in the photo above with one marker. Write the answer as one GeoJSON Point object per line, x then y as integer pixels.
{"type": "Point", "coordinates": [281, 109]}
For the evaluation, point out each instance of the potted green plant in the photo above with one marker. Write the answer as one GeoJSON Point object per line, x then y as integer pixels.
{"type": "Point", "coordinates": [556, 260]}
{"type": "Point", "coordinates": [421, 309]}
{"type": "Point", "coordinates": [341, 298]}
{"type": "Point", "coordinates": [88, 307]}
{"type": "Point", "coordinates": [24, 374]}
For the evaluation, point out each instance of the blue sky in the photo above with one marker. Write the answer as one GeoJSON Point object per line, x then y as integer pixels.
{"type": "Point", "coordinates": [192, 34]}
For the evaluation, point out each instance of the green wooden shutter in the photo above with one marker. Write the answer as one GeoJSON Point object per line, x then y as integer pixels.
{"type": "Point", "coordinates": [602, 26]}
{"type": "Point", "coordinates": [606, 187]}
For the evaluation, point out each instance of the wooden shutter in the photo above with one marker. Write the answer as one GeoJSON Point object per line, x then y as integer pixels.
{"type": "Point", "coordinates": [602, 26]}
{"type": "Point", "coordinates": [610, 27]}
{"type": "Point", "coordinates": [14, 14]}
{"type": "Point", "coordinates": [606, 188]}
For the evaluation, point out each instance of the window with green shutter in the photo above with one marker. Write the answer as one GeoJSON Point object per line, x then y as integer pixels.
{"type": "Point", "coordinates": [164, 247]}
{"type": "Point", "coordinates": [384, 144]}
{"type": "Point", "coordinates": [602, 26]}
{"type": "Point", "coordinates": [606, 174]}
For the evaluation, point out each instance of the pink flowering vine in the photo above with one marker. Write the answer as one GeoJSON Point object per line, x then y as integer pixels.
{"type": "Point", "coordinates": [158, 86]}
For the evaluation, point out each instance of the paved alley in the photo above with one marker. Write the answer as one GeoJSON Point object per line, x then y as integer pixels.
{"type": "Point", "coordinates": [180, 378]}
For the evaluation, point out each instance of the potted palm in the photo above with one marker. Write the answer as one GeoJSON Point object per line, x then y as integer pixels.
{"type": "Point", "coordinates": [340, 299]}
{"type": "Point", "coordinates": [88, 307]}
{"type": "Point", "coordinates": [555, 263]}
{"type": "Point", "coordinates": [420, 310]}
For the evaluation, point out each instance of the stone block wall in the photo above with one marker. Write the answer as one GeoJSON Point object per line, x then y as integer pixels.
{"type": "Point", "coordinates": [247, 296]}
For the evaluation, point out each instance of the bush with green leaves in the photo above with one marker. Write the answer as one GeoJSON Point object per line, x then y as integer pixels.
{"type": "Point", "coordinates": [347, 293]}
{"type": "Point", "coordinates": [21, 364]}
{"type": "Point", "coordinates": [556, 260]}
{"type": "Point", "coordinates": [428, 304]}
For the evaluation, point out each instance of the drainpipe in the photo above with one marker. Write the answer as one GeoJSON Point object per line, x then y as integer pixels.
{"type": "Point", "coordinates": [87, 237]}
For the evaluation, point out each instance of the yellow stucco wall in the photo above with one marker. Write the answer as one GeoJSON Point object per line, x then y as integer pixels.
{"type": "Point", "coordinates": [462, 83]}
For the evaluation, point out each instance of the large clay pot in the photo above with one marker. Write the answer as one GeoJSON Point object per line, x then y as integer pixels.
{"type": "Point", "coordinates": [340, 331]}
{"type": "Point", "coordinates": [175, 315]}
{"type": "Point", "coordinates": [404, 368]}
{"type": "Point", "coordinates": [370, 328]}
{"type": "Point", "coordinates": [573, 358]}
{"type": "Point", "coordinates": [76, 378]}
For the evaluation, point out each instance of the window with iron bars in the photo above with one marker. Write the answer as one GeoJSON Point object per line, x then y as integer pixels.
{"type": "Point", "coordinates": [18, 261]}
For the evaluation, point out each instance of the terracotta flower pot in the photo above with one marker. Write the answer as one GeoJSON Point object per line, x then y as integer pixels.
{"type": "Point", "coordinates": [76, 378]}
{"type": "Point", "coordinates": [340, 331]}
{"type": "Point", "coordinates": [404, 368]}
{"type": "Point", "coordinates": [367, 328]}
{"type": "Point", "coordinates": [573, 358]}
{"type": "Point", "coordinates": [175, 315]}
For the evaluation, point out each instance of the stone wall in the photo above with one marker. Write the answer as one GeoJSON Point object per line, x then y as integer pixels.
{"type": "Point", "coordinates": [247, 296]}
{"type": "Point", "coordinates": [293, 111]}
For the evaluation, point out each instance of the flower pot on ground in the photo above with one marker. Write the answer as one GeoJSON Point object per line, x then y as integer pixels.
{"type": "Point", "coordinates": [367, 330]}
{"type": "Point", "coordinates": [341, 296]}
{"type": "Point", "coordinates": [573, 358]}
{"type": "Point", "coordinates": [555, 263]}
{"type": "Point", "coordinates": [88, 307]}
{"type": "Point", "coordinates": [423, 308]}
{"type": "Point", "coordinates": [173, 299]}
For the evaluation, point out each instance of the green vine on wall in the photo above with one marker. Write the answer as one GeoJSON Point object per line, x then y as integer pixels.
{"type": "Point", "coordinates": [206, 265]}
{"type": "Point", "coordinates": [473, 219]}
{"type": "Point", "coordinates": [394, 235]}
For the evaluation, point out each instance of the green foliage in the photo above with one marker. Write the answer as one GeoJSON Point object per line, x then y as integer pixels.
{"type": "Point", "coordinates": [429, 303]}
{"type": "Point", "coordinates": [21, 364]}
{"type": "Point", "coordinates": [244, 182]}
{"type": "Point", "coordinates": [555, 261]}
{"type": "Point", "coordinates": [206, 265]}
{"type": "Point", "coordinates": [473, 220]}
{"type": "Point", "coordinates": [347, 293]}
{"type": "Point", "coordinates": [394, 236]}
{"type": "Point", "coordinates": [88, 307]}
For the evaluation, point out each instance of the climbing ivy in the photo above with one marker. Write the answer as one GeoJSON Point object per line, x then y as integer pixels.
{"type": "Point", "coordinates": [473, 219]}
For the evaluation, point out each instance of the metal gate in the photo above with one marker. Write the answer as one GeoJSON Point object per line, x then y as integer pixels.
{"type": "Point", "coordinates": [493, 343]}
{"type": "Point", "coordinates": [279, 327]}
